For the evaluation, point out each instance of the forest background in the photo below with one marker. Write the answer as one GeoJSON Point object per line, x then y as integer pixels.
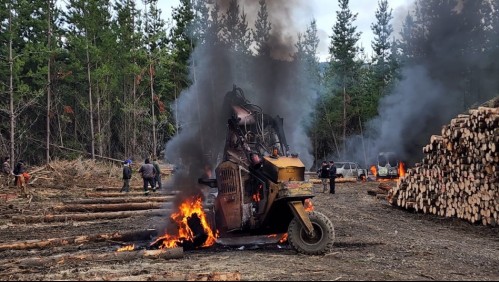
{"type": "Point", "coordinates": [105, 78]}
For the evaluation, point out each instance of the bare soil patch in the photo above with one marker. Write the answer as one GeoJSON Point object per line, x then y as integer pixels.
{"type": "Point", "coordinates": [374, 241]}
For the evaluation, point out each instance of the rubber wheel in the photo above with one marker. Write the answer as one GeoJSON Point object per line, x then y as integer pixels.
{"type": "Point", "coordinates": [322, 240]}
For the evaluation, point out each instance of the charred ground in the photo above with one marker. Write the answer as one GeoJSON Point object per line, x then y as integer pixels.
{"type": "Point", "coordinates": [374, 241]}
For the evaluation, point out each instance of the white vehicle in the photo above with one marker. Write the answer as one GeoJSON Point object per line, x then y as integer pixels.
{"type": "Point", "coordinates": [349, 170]}
{"type": "Point", "coordinates": [388, 165]}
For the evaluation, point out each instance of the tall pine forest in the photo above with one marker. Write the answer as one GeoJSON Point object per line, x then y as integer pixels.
{"type": "Point", "coordinates": [100, 78]}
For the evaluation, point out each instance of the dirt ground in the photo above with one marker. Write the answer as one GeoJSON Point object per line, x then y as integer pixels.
{"type": "Point", "coordinates": [374, 241]}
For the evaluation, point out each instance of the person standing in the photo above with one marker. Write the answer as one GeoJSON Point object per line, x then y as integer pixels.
{"type": "Point", "coordinates": [6, 170]}
{"type": "Point", "coordinates": [332, 177]}
{"type": "Point", "coordinates": [324, 175]}
{"type": "Point", "coordinates": [157, 175]}
{"type": "Point", "coordinates": [148, 171]}
{"type": "Point", "coordinates": [127, 175]}
{"type": "Point", "coordinates": [21, 177]}
{"type": "Point", "coordinates": [18, 172]}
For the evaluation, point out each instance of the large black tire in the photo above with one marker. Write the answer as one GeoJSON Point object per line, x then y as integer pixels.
{"type": "Point", "coordinates": [320, 243]}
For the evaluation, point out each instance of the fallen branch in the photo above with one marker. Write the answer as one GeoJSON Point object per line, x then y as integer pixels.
{"type": "Point", "coordinates": [173, 253]}
{"type": "Point", "coordinates": [53, 242]}
{"type": "Point", "coordinates": [87, 216]}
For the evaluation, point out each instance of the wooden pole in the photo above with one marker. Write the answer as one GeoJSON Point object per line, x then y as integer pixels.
{"type": "Point", "coordinates": [173, 253]}
{"type": "Point", "coordinates": [88, 216]}
{"type": "Point", "coordinates": [140, 235]}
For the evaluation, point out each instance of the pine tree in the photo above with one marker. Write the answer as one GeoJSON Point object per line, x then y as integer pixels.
{"type": "Point", "coordinates": [382, 31]}
{"type": "Point", "coordinates": [306, 46]}
{"type": "Point", "coordinates": [235, 33]}
{"type": "Point", "coordinates": [380, 75]}
{"type": "Point", "coordinates": [156, 41]}
{"type": "Point", "coordinates": [261, 33]}
{"type": "Point", "coordinates": [127, 61]}
{"type": "Point", "coordinates": [214, 27]}
{"type": "Point", "coordinates": [343, 50]}
{"type": "Point", "coordinates": [181, 44]}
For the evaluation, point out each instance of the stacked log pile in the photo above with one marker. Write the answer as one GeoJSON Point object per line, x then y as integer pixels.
{"type": "Point", "coordinates": [459, 175]}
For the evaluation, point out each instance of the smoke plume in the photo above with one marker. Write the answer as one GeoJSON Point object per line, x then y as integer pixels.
{"type": "Point", "coordinates": [276, 85]}
{"type": "Point", "coordinates": [455, 72]}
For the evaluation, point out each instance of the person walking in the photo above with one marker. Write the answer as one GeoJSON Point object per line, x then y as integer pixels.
{"type": "Point", "coordinates": [332, 177]}
{"type": "Point", "coordinates": [147, 171]}
{"type": "Point", "coordinates": [324, 175]}
{"type": "Point", "coordinates": [157, 176]}
{"type": "Point", "coordinates": [127, 175]}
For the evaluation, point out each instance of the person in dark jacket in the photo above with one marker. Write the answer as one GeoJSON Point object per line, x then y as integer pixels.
{"type": "Point", "coordinates": [127, 175]}
{"type": "Point", "coordinates": [332, 177]}
{"type": "Point", "coordinates": [148, 172]}
{"type": "Point", "coordinates": [157, 176]}
{"type": "Point", "coordinates": [19, 169]}
{"type": "Point", "coordinates": [324, 175]}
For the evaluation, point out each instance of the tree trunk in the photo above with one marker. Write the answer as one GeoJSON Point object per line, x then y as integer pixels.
{"type": "Point", "coordinates": [92, 137]}
{"type": "Point", "coordinates": [173, 253]}
{"type": "Point", "coordinates": [344, 117]}
{"type": "Point", "coordinates": [11, 91]}
{"type": "Point", "coordinates": [99, 127]}
{"type": "Point", "coordinates": [78, 240]}
{"type": "Point", "coordinates": [154, 145]}
{"type": "Point", "coordinates": [49, 83]}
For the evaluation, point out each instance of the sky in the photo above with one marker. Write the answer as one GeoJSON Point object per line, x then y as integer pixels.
{"type": "Point", "coordinates": [324, 12]}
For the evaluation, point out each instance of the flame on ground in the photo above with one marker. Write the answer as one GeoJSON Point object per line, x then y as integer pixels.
{"type": "Point", "coordinates": [308, 205]}
{"type": "Point", "coordinates": [126, 248]}
{"type": "Point", "coordinates": [187, 209]}
{"type": "Point", "coordinates": [284, 238]}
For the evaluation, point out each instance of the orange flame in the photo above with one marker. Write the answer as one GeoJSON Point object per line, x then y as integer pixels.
{"type": "Point", "coordinates": [256, 197]}
{"type": "Point", "coordinates": [401, 169]}
{"type": "Point", "coordinates": [308, 205]}
{"type": "Point", "coordinates": [284, 238]}
{"type": "Point", "coordinates": [373, 169]}
{"type": "Point", "coordinates": [187, 209]}
{"type": "Point", "coordinates": [272, 236]}
{"type": "Point", "coordinates": [126, 248]}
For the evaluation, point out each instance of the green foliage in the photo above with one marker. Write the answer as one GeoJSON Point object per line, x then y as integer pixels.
{"type": "Point", "coordinates": [123, 43]}
{"type": "Point", "coordinates": [261, 33]}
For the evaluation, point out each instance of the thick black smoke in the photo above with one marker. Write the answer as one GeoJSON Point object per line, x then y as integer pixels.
{"type": "Point", "coordinates": [276, 85]}
{"type": "Point", "coordinates": [455, 71]}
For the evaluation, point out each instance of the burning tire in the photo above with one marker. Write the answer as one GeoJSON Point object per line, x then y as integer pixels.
{"type": "Point", "coordinates": [322, 240]}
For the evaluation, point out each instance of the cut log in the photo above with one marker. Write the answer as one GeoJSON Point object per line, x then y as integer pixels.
{"type": "Point", "coordinates": [88, 216]}
{"type": "Point", "coordinates": [173, 253]}
{"type": "Point", "coordinates": [110, 207]}
{"type": "Point", "coordinates": [344, 180]}
{"type": "Point", "coordinates": [140, 235]}
{"type": "Point", "coordinates": [116, 194]}
{"type": "Point", "coordinates": [112, 200]}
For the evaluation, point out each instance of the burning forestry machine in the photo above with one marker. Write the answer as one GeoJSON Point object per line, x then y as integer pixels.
{"type": "Point", "coordinates": [261, 186]}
